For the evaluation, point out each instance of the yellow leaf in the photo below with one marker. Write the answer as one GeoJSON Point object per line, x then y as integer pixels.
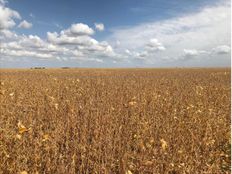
{"type": "Point", "coordinates": [134, 98]}
{"type": "Point", "coordinates": [18, 136]}
{"type": "Point", "coordinates": [56, 106]}
{"type": "Point", "coordinates": [152, 141]}
{"type": "Point", "coordinates": [128, 172]}
{"type": "Point", "coordinates": [112, 108]}
{"type": "Point", "coordinates": [23, 172]}
{"type": "Point", "coordinates": [22, 128]}
{"type": "Point", "coordinates": [148, 163]}
{"type": "Point", "coordinates": [2, 92]}
{"type": "Point", "coordinates": [45, 137]}
{"type": "Point", "coordinates": [132, 103]}
{"type": "Point", "coordinates": [164, 144]}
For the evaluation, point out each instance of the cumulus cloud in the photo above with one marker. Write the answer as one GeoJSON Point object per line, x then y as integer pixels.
{"type": "Point", "coordinates": [64, 39]}
{"type": "Point", "coordinates": [3, 2]}
{"type": "Point", "coordinates": [202, 30]}
{"type": "Point", "coordinates": [7, 16]}
{"type": "Point", "coordinates": [25, 24]}
{"type": "Point", "coordinates": [77, 34]}
{"type": "Point", "coordinates": [30, 46]}
{"type": "Point", "coordinates": [222, 49]}
{"type": "Point", "coordinates": [16, 46]}
{"type": "Point", "coordinates": [147, 51]}
{"type": "Point", "coordinates": [141, 55]}
{"type": "Point", "coordinates": [190, 53]}
{"type": "Point", "coordinates": [78, 29]}
{"type": "Point", "coordinates": [155, 45]}
{"type": "Point", "coordinates": [31, 41]}
{"type": "Point", "coordinates": [99, 26]}
{"type": "Point", "coordinates": [199, 37]}
{"type": "Point", "coordinates": [12, 46]}
{"type": "Point", "coordinates": [25, 53]}
{"type": "Point", "coordinates": [75, 42]}
{"type": "Point", "coordinates": [127, 52]}
{"type": "Point", "coordinates": [7, 34]}
{"type": "Point", "coordinates": [80, 39]}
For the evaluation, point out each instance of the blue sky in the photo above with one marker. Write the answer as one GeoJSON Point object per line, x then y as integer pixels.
{"type": "Point", "coordinates": [123, 33]}
{"type": "Point", "coordinates": [54, 14]}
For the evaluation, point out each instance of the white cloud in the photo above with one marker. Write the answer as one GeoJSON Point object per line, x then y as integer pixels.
{"type": "Point", "coordinates": [12, 46]}
{"type": "Point", "coordinates": [196, 37]}
{"type": "Point", "coordinates": [6, 34]}
{"type": "Point", "coordinates": [155, 45]}
{"type": "Point", "coordinates": [190, 52]}
{"type": "Point", "coordinates": [202, 30]}
{"type": "Point", "coordinates": [25, 24]}
{"type": "Point", "coordinates": [99, 60]}
{"type": "Point", "coordinates": [31, 41]}
{"type": "Point", "coordinates": [99, 26]}
{"type": "Point", "coordinates": [2, 2]}
{"type": "Point", "coordinates": [77, 34]}
{"type": "Point", "coordinates": [24, 53]}
{"type": "Point", "coordinates": [75, 42]}
{"type": "Point", "coordinates": [64, 39]}
{"type": "Point", "coordinates": [81, 42]}
{"type": "Point", "coordinates": [77, 53]}
{"type": "Point", "coordinates": [127, 52]}
{"type": "Point", "coordinates": [7, 16]}
{"type": "Point", "coordinates": [142, 55]}
{"type": "Point", "coordinates": [147, 51]}
{"type": "Point", "coordinates": [222, 49]}
{"type": "Point", "coordinates": [78, 29]}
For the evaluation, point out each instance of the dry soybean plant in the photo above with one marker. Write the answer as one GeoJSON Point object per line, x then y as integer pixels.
{"type": "Point", "coordinates": [125, 121]}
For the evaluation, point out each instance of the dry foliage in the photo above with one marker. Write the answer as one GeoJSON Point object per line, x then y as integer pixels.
{"type": "Point", "coordinates": [124, 121]}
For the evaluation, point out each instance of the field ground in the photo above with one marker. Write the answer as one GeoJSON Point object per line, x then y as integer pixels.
{"type": "Point", "coordinates": [125, 121]}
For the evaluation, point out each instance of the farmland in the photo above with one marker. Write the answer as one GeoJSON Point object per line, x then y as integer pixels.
{"type": "Point", "coordinates": [125, 121]}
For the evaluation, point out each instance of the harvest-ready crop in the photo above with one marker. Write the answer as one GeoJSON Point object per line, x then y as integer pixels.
{"type": "Point", "coordinates": [125, 121]}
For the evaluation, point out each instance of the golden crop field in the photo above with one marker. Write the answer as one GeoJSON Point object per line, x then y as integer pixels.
{"type": "Point", "coordinates": [126, 121]}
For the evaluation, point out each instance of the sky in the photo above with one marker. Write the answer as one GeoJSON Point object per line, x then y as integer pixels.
{"type": "Point", "coordinates": [122, 33]}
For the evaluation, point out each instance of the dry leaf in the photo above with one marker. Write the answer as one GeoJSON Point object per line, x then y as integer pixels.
{"type": "Point", "coordinates": [164, 144]}
{"type": "Point", "coordinates": [112, 108]}
{"type": "Point", "coordinates": [22, 128]}
{"type": "Point", "coordinates": [18, 136]}
{"type": "Point", "coordinates": [23, 172]}
{"type": "Point", "coordinates": [128, 172]}
{"type": "Point", "coordinates": [56, 106]}
{"type": "Point", "coordinates": [45, 137]}
{"type": "Point", "coordinates": [132, 103]}
{"type": "Point", "coordinates": [148, 163]}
